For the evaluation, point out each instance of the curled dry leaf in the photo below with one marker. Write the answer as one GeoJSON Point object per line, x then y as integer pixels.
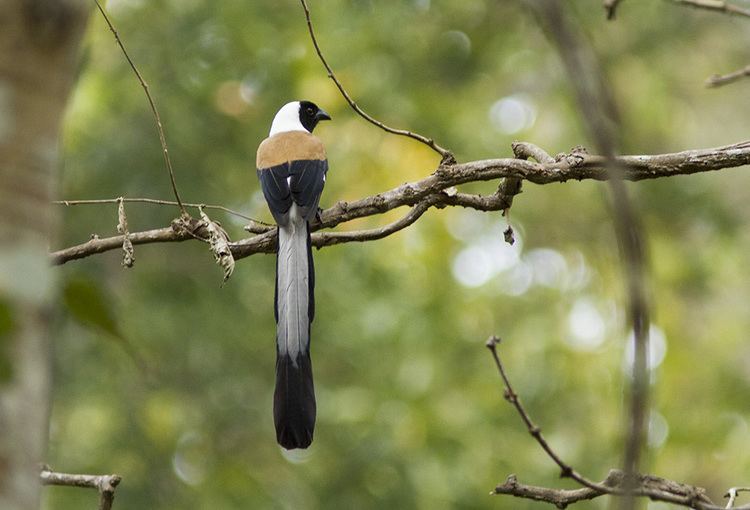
{"type": "Point", "coordinates": [128, 254]}
{"type": "Point", "coordinates": [219, 243]}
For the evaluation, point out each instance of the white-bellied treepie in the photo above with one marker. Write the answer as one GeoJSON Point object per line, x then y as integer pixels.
{"type": "Point", "coordinates": [292, 168]}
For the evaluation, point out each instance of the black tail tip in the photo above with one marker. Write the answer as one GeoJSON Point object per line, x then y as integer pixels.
{"type": "Point", "coordinates": [294, 402]}
{"type": "Point", "coordinates": [291, 438]}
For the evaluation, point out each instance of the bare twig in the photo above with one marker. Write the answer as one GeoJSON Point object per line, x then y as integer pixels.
{"type": "Point", "coordinates": [566, 471]}
{"type": "Point", "coordinates": [447, 156]}
{"type": "Point", "coordinates": [616, 483]}
{"type": "Point", "coordinates": [577, 165]}
{"type": "Point", "coordinates": [257, 226]}
{"type": "Point", "coordinates": [154, 110]}
{"type": "Point", "coordinates": [715, 5]}
{"type": "Point", "coordinates": [610, 7]}
{"type": "Point", "coordinates": [104, 484]}
{"type": "Point", "coordinates": [717, 80]}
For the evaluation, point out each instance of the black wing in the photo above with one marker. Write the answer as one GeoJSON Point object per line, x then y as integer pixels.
{"type": "Point", "coordinates": [308, 179]}
{"type": "Point", "coordinates": [274, 182]}
{"type": "Point", "coordinates": [300, 182]}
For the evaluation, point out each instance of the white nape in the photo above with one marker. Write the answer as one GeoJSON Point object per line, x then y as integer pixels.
{"type": "Point", "coordinates": [287, 119]}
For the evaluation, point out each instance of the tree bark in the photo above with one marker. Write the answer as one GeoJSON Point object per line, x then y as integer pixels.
{"type": "Point", "coordinates": [39, 42]}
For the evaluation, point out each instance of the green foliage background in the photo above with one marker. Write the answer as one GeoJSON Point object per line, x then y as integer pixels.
{"type": "Point", "coordinates": [168, 379]}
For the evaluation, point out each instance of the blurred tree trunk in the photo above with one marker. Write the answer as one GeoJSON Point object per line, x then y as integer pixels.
{"type": "Point", "coordinates": [38, 59]}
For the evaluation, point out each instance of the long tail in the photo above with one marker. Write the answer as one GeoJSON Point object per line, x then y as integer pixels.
{"type": "Point", "coordinates": [294, 397]}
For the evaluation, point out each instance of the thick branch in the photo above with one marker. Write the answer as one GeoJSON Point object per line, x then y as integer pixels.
{"type": "Point", "coordinates": [577, 165]}
{"type": "Point", "coordinates": [99, 245]}
{"type": "Point", "coordinates": [104, 484]}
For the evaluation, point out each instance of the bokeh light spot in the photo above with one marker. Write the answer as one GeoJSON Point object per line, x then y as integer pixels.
{"type": "Point", "coordinates": [513, 114]}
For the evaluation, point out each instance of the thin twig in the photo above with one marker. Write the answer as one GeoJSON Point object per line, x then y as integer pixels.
{"type": "Point", "coordinates": [104, 484]}
{"type": "Point", "coordinates": [640, 485]}
{"type": "Point", "coordinates": [162, 202]}
{"type": "Point", "coordinates": [717, 80]}
{"type": "Point", "coordinates": [715, 5]}
{"type": "Point", "coordinates": [155, 111]}
{"type": "Point", "coordinates": [566, 471]}
{"type": "Point", "coordinates": [447, 156]}
{"type": "Point", "coordinates": [575, 166]}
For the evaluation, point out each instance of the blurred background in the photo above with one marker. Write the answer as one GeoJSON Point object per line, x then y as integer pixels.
{"type": "Point", "coordinates": [165, 376]}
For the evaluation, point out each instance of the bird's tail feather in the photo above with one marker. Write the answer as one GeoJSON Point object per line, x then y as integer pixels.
{"type": "Point", "coordinates": [294, 402]}
{"type": "Point", "coordinates": [294, 397]}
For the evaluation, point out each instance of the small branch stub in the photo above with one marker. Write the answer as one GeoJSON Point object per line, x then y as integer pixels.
{"type": "Point", "coordinates": [717, 80]}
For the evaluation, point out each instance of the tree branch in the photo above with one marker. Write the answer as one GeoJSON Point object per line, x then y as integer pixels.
{"type": "Point", "coordinates": [577, 165]}
{"type": "Point", "coordinates": [104, 484]}
{"type": "Point", "coordinates": [566, 471]}
{"type": "Point", "coordinates": [615, 481]}
{"type": "Point", "coordinates": [444, 153]}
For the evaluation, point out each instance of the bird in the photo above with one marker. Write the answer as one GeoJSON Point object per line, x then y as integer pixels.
{"type": "Point", "coordinates": [292, 166]}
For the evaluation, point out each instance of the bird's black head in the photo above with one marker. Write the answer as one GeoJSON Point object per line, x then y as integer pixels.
{"type": "Point", "coordinates": [310, 115]}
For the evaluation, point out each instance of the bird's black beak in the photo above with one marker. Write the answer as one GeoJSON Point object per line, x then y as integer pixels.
{"type": "Point", "coordinates": [322, 115]}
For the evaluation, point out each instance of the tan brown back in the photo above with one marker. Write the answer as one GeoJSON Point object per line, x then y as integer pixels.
{"type": "Point", "coordinates": [289, 146]}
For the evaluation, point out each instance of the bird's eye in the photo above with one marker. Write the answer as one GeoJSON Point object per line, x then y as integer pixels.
{"type": "Point", "coordinates": [310, 110]}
